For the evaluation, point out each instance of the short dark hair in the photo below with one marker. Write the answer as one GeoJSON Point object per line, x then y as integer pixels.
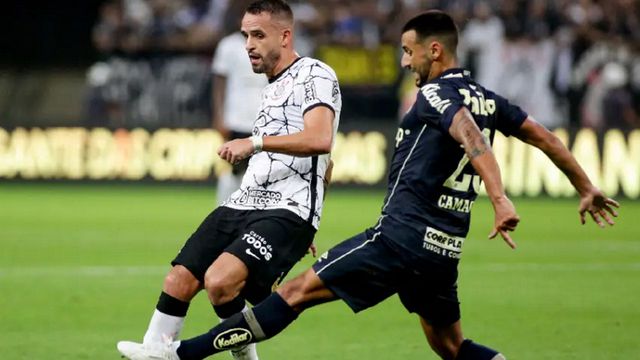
{"type": "Point", "coordinates": [434, 23]}
{"type": "Point", "coordinates": [274, 7]}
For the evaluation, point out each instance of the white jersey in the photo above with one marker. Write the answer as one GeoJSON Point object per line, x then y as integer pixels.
{"type": "Point", "coordinates": [280, 181]}
{"type": "Point", "coordinates": [244, 87]}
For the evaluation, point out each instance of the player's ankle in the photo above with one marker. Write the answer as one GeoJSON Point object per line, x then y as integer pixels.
{"type": "Point", "coordinates": [472, 351]}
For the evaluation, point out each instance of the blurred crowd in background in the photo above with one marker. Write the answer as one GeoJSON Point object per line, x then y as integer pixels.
{"type": "Point", "coordinates": [570, 63]}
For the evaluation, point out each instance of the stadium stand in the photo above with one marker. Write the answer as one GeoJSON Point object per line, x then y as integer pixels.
{"type": "Point", "coordinates": [147, 61]}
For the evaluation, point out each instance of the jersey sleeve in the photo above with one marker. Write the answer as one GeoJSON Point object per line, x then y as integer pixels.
{"type": "Point", "coordinates": [437, 103]}
{"type": "Point", "coordinates": [509, 117]}
{"type": "Point", "coordinates": [318, 86]}
{"type": "Point", "coordinates": [222, 58]}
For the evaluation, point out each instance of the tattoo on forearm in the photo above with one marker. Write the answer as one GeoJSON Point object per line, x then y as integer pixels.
{"type": "Point", "coordinates": [473, 140]}
{"type": "Point", "coordinates": [475, 152]}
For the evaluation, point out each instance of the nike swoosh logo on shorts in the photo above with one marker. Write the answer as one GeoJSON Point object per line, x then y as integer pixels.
{"type": "Point", "coordinates": [248, 251]}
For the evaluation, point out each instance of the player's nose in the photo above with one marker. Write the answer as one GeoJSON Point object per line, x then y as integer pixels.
{"type": "Point", "coordinates": [405, 62]}
{"type": "Point", "coordinates": [248, 45]}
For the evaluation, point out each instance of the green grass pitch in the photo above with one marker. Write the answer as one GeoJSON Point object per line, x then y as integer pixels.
{"type": "Point", "coordinates": [81, 267]}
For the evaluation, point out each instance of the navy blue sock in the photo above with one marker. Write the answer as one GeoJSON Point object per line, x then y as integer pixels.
{"type": "Point", "coordinates": [472, 351]}
{"type": "Point", "coordinates": [234, 306]}
{"type": "Point", "coordinates": [262, 322]}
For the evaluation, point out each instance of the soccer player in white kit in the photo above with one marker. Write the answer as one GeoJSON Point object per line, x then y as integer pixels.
{"type": "Point", "coordinates": [245, 247]}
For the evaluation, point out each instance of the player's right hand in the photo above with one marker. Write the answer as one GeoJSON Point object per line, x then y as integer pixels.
{"type": "Point", "coordinates": [506, 219]}
{"type": "Point", "coordinates": [236, 150]}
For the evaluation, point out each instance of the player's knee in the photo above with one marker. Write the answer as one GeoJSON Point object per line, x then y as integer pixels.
{"type": "Point", "coordinates": [225, 278]}
{"type": "Point", "coordinates": [181, 283]}
{"type": "Point", "coordinates": [220, 289]}
{"type": "Point", "coordinates": [216, 287]}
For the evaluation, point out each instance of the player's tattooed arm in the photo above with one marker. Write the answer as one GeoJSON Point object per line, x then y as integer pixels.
{"type": "Point", "coordinates": [465, 130]}
{"type": "Point", "coordinates": [592, 199]}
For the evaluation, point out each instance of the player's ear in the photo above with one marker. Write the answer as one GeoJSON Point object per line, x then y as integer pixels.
{"type": "Point", "coordinates": [435, 49]}
{"type": "Point", "coordinates": [286, 37]}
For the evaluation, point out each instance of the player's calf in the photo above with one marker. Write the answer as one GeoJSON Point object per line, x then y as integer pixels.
{"type": "Point", "coordinates": [262, 322]}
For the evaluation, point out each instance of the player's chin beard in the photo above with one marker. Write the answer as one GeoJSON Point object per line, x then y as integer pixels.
{"type": "Point", "coordinates": [422, 75]}
{"type": "Point", "coordinates": [420, 79]}
{"type": "Point", "coordinates": [259, 69]}
{"type": "Point", "coordinates": [268, 63]}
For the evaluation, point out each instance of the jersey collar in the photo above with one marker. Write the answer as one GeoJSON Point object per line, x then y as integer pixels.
{"type": "Point", "coordinates": [448, 74]}
{"type": "Point", "coordinates": [454, 73]}
{"type": "Point", "coordinates": [276, 76]}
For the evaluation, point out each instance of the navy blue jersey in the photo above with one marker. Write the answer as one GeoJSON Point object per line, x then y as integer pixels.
{"type": "Point", "coordinates": [431, 181]}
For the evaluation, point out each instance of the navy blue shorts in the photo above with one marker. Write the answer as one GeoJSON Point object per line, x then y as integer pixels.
{"type": "Point", "coordinates": [368, 268]}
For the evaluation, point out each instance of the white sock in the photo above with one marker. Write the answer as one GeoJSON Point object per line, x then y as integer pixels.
{"type": "Point", "coordinates": [163, 324]}
{"type": "Point", "coordinates": [227, 184]}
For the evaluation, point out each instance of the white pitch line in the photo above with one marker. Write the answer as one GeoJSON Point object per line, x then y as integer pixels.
{"type": "Point", "coordinates": [115, 271]}
{"type": "Point", "coordinates": [84, 271]}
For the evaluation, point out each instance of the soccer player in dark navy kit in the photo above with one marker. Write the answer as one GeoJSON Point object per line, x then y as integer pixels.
{"type": "Point", "coordinates": [442, 153]}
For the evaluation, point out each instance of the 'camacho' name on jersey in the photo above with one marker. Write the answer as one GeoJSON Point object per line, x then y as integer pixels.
{"type": "Point", "coordinates": [431, 182]}
{"type": "Point", "coordinates": [279, 181]}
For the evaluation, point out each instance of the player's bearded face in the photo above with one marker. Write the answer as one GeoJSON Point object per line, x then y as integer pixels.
{"type": "Point", "coordinates": [263, 42]}
{"type": "Point", "coordinates": [268, 62]}
{"type": "Point", "coordinates": [421, 70]}
{"type": "Point", "coordinates": [414, 57]}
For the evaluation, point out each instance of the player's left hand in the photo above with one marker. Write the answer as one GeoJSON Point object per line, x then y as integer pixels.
{"type": "Point", "coordinates": [236, 150]}
{"type": "Point", "coordinates": [598, 206]}
{"type": "Point", "coordinates": [506, 219]}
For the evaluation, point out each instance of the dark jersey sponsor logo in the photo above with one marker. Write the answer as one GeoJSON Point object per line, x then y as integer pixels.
{"type": "Point", "coordinates": [442, 243]}
{"type": "Point", "coordinates": [430, 92]}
